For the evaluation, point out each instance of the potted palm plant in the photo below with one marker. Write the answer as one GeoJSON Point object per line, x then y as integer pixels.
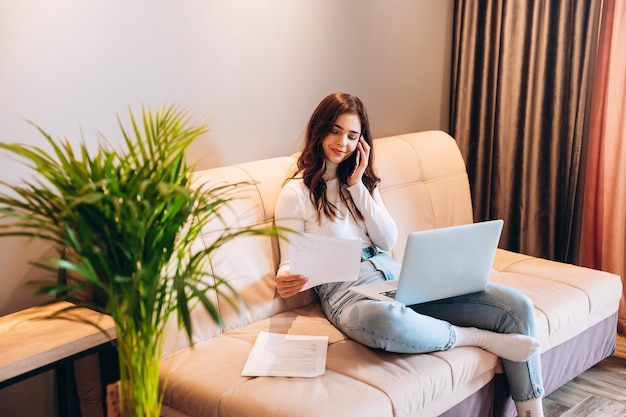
{"type": "Point", "coordinates": [124, 222]}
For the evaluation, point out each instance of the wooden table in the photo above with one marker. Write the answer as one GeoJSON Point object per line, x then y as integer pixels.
{"type": "Point", "coordinates": [31, 344]}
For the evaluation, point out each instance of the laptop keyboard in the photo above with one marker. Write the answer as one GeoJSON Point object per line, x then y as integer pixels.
{"type": "Point", "coordinates": [390, 294]}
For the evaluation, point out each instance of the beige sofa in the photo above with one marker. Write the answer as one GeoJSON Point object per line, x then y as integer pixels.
{"type": "Point", "coordinates": [424, 184]}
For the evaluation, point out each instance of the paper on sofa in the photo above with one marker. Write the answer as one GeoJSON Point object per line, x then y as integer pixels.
{"type": "Point", "coordinates": [275, 354]}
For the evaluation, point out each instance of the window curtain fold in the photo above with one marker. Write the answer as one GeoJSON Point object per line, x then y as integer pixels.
{"type": "Point", "coordinates": [518, 100]}
{"type": "Point", "coordinates": [603, 232]}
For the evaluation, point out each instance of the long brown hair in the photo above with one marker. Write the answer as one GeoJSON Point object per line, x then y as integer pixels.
{"type": "Point", "coordinates": [311, 163]}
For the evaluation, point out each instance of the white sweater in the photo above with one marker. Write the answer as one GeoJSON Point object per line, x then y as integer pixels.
{"type": "Point", "coordinates": [294, 210]}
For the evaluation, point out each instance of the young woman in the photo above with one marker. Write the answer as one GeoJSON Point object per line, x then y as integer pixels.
{"type": "Point", "coordinates": [334, 193]}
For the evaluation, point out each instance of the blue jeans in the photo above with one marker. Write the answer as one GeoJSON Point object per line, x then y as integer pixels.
{"type": "Point", "coordinates": [427, 327]}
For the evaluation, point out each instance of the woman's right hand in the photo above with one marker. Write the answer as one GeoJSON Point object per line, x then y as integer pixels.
{"type": "Point", "coordinates": [288, 285]}
{"type": "Point", "coordinates": [364, 150]}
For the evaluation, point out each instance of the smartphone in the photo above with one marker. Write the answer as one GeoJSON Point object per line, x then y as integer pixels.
{"type": "Point", "coordinates": [357, 160]}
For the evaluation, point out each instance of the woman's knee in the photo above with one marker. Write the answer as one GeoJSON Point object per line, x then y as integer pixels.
{"type": "Point", "coordinates": [521, 309]}
{"type": "Point", "coordinates": [377, 317]}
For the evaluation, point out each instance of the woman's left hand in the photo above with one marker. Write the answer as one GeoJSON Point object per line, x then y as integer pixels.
{"type": "Point", "coordinates": [363, 150]}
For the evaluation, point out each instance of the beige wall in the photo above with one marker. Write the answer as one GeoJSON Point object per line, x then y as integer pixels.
{"type": "Point", "coordinates": [253, 69]}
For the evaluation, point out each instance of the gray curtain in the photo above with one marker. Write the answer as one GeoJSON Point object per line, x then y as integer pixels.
{"type": "Point", "coordinates": [519, 96]}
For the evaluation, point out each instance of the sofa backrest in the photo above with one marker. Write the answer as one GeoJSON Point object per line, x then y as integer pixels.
{"type": "Point", "coordinates": [424, 182]}
{"type": "Point", "coordinates": [424, 185]}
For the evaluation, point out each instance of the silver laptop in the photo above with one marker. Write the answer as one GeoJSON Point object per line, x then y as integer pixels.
{"type": "Point", "coordinates": [441, 263]}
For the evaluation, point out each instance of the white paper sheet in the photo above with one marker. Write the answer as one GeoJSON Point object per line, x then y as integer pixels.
{"type": "Point", "coordinates": [275, 354]}
{"type": "Point", "coordinates": [324, 259]}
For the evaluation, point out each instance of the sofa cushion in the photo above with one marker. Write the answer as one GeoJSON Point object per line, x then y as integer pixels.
{"type": "Point", "coordinates": [568, 299]}
{"type": "Point", "coordinates": [424, 183]}
{"type": "Point", "coordinates": [248, 263]}
{"type": "Point", "coordinates": [206, 379]}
